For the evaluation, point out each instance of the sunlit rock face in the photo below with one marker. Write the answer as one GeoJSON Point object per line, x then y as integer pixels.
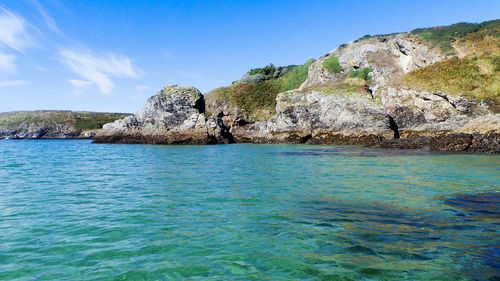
{"type": "Point", "coordinates": [174, 116]}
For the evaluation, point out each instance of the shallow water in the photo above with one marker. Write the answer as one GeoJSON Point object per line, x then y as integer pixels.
{"type": "Point", "coordinates": [72, 210]}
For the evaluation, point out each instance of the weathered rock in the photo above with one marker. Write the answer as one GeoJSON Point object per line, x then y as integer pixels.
{"type": "Point", "coordinates": [320, 118]}
{"type": "Point", "coordinates": [329, 108]}
{"type": "Point", "coordinates": [482, 125]}
{"type": "Point", "coordinates": [174, 116]}
{"type": "Point", "coordinates": [415, 110]}
{"type": "Point", "coordinates": [318, 113]}
{"type": "Point", "coordinates": [478, 143]}
{"type": "Point", "coordinates": [389, 59]}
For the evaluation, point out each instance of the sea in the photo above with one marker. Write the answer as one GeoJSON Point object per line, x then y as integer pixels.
{"type": "Point", "coordinates": [73, 210]}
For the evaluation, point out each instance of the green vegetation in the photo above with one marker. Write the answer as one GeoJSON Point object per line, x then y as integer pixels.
{"type": "Point", "coordinates": [444, 36]}
{"type": "Point", "coordinates": [78, 120]}
{"type": "Point", "coordinates": [342, 88]}
{"type": "Point", "coordinates": [361, 73]}
{"type": "Point", "coordinates": [250, 97]}
{"type": "Point", "coordinates": [267, 70]}
{"type": "Point", "coordinates": [253, 98]}
{"type": "Point", "coordinates": [295, 76]}
{"type": "Point", "coordinates": [332, 64]}
{"type": "Point", "coordinates": [460, 76]}
{"type": "Point", "coordinates": [477, 75]}
{"type": "Point", "coordinates": [496, 64]}
{"type": "Point", "coordinates": [195, 94]}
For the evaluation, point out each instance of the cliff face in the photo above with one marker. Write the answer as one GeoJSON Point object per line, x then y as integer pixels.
{"type": "Point", "coordinates": [393, 91]}
{"type": "Point", "coordinates": [174, 116]}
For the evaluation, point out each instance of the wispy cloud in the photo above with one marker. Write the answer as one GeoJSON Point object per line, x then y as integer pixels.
{"type": "Point", "coordinates": [12, 83]}
{"type": "Point", "coordinates": [99, 70]}
{"type": "Point", "coordinates": [13, 32]}
{"type": "Point", "coordinates": [7, 63]}
{"type": "Point", "coordinates": [141, 88]}
{"type": "Point", "coordinates": [79, 86]}
{"type": "Point", "coordinates": [49, 21]}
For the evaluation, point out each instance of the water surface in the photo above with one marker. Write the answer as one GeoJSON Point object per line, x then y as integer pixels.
{"type": "Point", "coordinates": [72, 210]}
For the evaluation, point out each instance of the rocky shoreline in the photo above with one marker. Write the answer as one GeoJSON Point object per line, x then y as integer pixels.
{"type": "Point", "coordinates": [27, 131]}
{"type": "Point", "coordinates": [53, 124]}
{"type": "Point", "coordinates": [180, 115]}
{"type": "Point", "coordinates": [388, 91]}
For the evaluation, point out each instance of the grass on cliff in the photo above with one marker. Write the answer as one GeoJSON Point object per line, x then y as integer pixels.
{"type": "Point", "coordinates": [256, 98]}
{"type": "Point", "coordinates": [476, 75]}
{"type": "Point", "coordinates": [444, 36]}
{"type": "Point", "coordinates": [332, 64]}
{"type": "Point", "coordinates": [466, 76]}
{"type": "Point", "coordinates": [78, 120]}
{"type": "Point", "coordinates": [361, 73]}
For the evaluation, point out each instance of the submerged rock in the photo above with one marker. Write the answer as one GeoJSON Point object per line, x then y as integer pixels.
{"type": "Point", "coordinates": [174, 116]}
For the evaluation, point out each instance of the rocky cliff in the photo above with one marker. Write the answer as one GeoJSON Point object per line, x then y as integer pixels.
{"type": "Point", "coordinates": [437, 88]}
{"type": "Point", "coordinates": [53, 124]}
{"type": "Point", "coordinates": [176, 115]}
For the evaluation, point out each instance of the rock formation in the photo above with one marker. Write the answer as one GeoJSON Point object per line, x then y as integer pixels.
{"type": "Point", "coordinates": [363, 100]}
{"type": "Point", "coordinates": [174, 116]}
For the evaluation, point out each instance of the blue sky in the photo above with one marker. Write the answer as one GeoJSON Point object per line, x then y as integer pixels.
{"type": "Point", "coordinates": [111, 55]}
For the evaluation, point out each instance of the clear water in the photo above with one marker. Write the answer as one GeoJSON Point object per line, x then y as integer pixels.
{"type": "Point", "coordinates": [72, 210]}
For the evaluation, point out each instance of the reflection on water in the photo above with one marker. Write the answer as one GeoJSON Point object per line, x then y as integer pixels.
{"type": "Point", "coordinates": [70, 210]}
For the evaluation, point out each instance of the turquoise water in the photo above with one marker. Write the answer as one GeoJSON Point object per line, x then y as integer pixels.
{"type": "Point", "coordinates": [72, 210]}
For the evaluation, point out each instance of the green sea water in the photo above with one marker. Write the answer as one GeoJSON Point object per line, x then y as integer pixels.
{"type": "Point", "coordinates": [72, 210]}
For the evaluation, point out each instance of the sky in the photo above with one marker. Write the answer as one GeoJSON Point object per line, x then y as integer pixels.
{"type": "Point", "coordinates": [111, 55]}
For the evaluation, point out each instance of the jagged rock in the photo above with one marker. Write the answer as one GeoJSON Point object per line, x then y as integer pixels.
{"type": "Point", "coordinates": [174, 116]}
{"type": "Point", "coordinates": [337, 113]}
{"type": "Point", "coordinates": [331, 108]}
{"type": "Point", "coordinates": [415, 110]}
{"type": "Point", "coordinates": [320, 118]}
{"type": "Point", "coordinates": [388, 58]}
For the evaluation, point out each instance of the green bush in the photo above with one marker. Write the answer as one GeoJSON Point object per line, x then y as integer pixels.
{"type": "Point", "coordinates": [332, 64]}
{"type": "Point", "coordinates": [361, 73]}
{"type": "Point", "coordinates": [267, 70]}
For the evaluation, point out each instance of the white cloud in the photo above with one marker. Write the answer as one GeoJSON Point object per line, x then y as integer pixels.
{"type": "Point", "coordinates": [80, 86]}
{"type": "Point", "coordinates": [7, 63]}
{"type": "Point", "coordinates": [13, 33]}
{"type": "Point", "coordinates": [99, 70]}
{"type": "Point", "coordinates": [141, 88]}
{"type": "Point", "coordinates": [12, 83]}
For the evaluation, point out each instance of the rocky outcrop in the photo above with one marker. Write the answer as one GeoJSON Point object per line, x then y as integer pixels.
{"type": "Point", "coordinates": [31, 131]}
{"type": "Point", "coordinates": [389, 56]}
{"type": "Point", "coordinates": [365, 102]}
{"type": "Point", "coordinates": [176, 115]}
